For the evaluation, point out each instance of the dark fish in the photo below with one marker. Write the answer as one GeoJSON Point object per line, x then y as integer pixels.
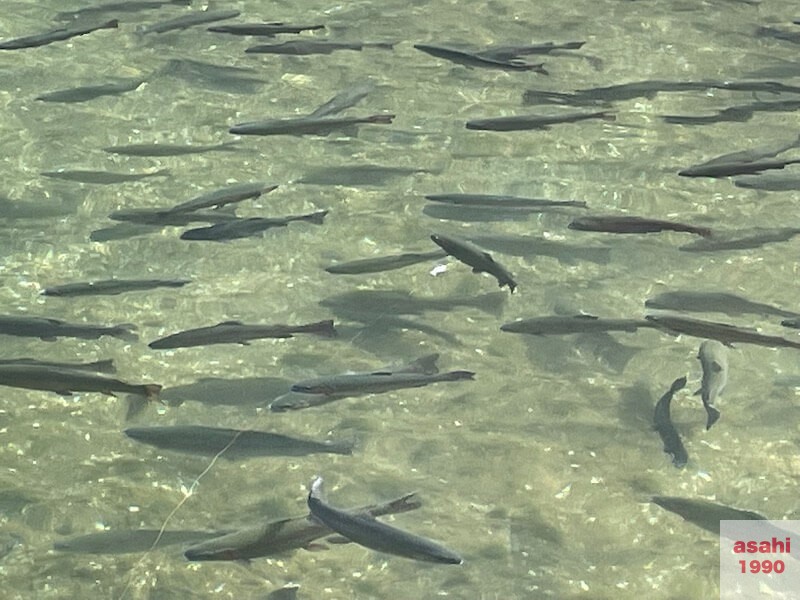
{"type": "Point", "coordinates": [735, 168]}
{"type": "Point", "coordinates": [358, 384]}
{"type": "Point", "coordinates": [366, 530]}
{"type": "Point", "coordinates": [737, 114]}
{"type": "Point", "coordinates": [723, 332]}
{"type": "Point", "coordinates": [625, 224]}
{"type": "Point", "coordinates": [56, 35]}
{"type": "Point", "coordinates": [384, 263]}
{"type": "Point", "coordinates": [529, 246]}
{"type": "Point", "coordinates": [741, 240]}
{"type": "Point", "coordinates": [526, 122]}
{"type": "Point", "coordinates": [263, 29]}
{"type": "Point", "coordinates": [385, 303]}
{"type": "Point", "coordinates": [307, 125]}
{"type": "Point", "coordinates": [169, 149]}
{"type": "Point", "coordinates": [166, 217]}
{"type": "Point", "coordinates": [512, 52]}
{"type": "Point", "coordinates": [102, 177]}
{"type": "Point", "coordinates": [721, 302]}
{"type": "Point", "coordinates": [703, 513]}
{"type": "Point", "coordinates": [184, 21]}
{"type": "Point", "coordinates": [343, 100]}
{"type": "Point", "coordinates": [779, 34]}
{"type": "Point", "coordinates": [227, 195]}
{"type": "Point", "coordinates": [306, 47]}
{"type": "Point", "coordinates": [499, 59]}
{"type": "Point", "coordinates": [111, 286]}
{"type": "Point", "coordinates": [117, 7]}
{"type": "Point", "coordinates": [90, 92]}
{"type": "Point", "coordinates": [285, 593]}
{"type": "Point", "coordinates": [236, 332]}
{"type": "Point", "coordinates": [236, 443]}
{"type": "Point", "coordinates": [501, 202]}
{"type": "Point", "coordinates": [242, 228]}
{"type": "Point", "coordinates": [752, 154]}
{"type": "Point", "coordinates": [65, 381]}
{"type": "Point", "coordinates": [126, 541]}
{"type": "Point", "coordinates": [771, 182]}
{"type": "Point", "coordinates": [713, 357]}
{"type": "Point", "coordinates": [558, 325]}
{"type": "Point", "coordinates": [121, 231]}
{"type": "Point", "coordinates": [226, 78]}
{"type": "Point", "coordinates": [663, 425]}
{"type": "Point", "coordinates": [49, 329]}
{"type": "Point", "coordinates": [471, 255]}
{"type": "Point", "coordinates": [99, 366]}
{"type": "Point", "coordinates": [277, 537]}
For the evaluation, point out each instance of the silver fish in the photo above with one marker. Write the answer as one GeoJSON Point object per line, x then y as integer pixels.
{"type": "Point", "coordinates": [713, 357]}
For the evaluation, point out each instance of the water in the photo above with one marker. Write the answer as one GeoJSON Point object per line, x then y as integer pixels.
{"type": "Point", "coordinates": [539, 472]}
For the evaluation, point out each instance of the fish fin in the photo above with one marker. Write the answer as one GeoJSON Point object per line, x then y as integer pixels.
{"type": "Point", "coordinates": [337, 539]}
{"type": "Point", "coordinates": [716, 367]}
{"type": "Point", "coordinates": [713, 416]}
{"type": "Point", "coordinates": [246, 343]}
{"type": "Point", "coordinates": [136, 405]}
{"type": "Point", "coordinates": [231, 323]}
{"type": "Point", "coordinates": [63, 392]}
{"type": "Point", "coordinates": [698, 392]}
{"type": "Point", "coordinates": [315, 547]}
{"type": "Point", "coordinates": [151, 390]}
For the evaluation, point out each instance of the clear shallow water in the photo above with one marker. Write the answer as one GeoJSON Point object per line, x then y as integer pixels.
{"type": "Point", "coordinates": [540, 471]}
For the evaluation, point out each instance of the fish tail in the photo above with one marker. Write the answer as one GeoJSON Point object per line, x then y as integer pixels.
{"type": "Point", "coordinates": [713, 416]}
{"type": "Point", "coordinates": [103, 366]}
{"type": "Point", "coordinates": [607, 116]}
{"type": "Point", "coordinates": [341, 447]}
{"type": "Point", "coordinates": [317, 218]}
{"type": "Point", "coordinates": [458, 375]}
{"type": "Point", "coordinates": [124, 332]}
{"type": "Point", "coordinates": [492, 304]}
{"type": "Point", "coordinates": [151, 391]}
{"type": "Point", "coordinates": [539, 68]}
{"type": "Point", "coordinates": [382, 119]}
{"type": "Point", "coordinates": [324, 328]}
{"type": "Point", "coordinates": [384, 45]}
{"type": "Point", "coordinates": [112, 24]}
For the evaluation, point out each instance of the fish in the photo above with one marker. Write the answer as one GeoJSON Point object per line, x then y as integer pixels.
{"type": "Point", "coordinates": [170, 149]}
{"type": "Point", "coordinates": [102, 177]}
{"type": "Point", "coordinates": [288, 592]}
{"type": "Point", "coordinates": [111, 287]}
{"type": "Point", "coordinates": [223, 196]}
{"type": "Point", "coordinates": [511, 52]}
{"type": "Point", "coordinates": [526, 122]}
{"type": "Point", "coordinates": [751, 155]}
{"type": "Point", "coordinates": [741, 239]}
{"type": "Point", "coordinates": [90, 92]}
{"type": "Point", "coordinates": [218, 391]}
{"type": "Point", "coordinates": [165, 217]}
{"type": "Point", "coordinates": [738, 114]}
{"type": "Point", "coordinates": [242, 228]}
{"type": "Point", "coordinates": [713, 356]}
{"type": "Point", "coordinates": [626, 224]}
{"type": "Point", "coordinates": [236, 332]}
{"type": "Point", "coordinates": [779, 34]}
{"type": "Point", "coordinates": [48, 329]}
{"type": "Point", "coordinates": [358, 384]}
{"type": "Point", "coordinates": [736, 168]}
{"type": "Point", "coordinates": [501, 59]}
{"type": "Point", "coordinates": [231, 443]}
{"type": "Point", "coordinates": [284, 535]}
{"type": "Point", "coordinates": [115, 7]}
{"type": "Point", "coordinates": [503, 202]}
{"type": "Point", "coordinates": [98, 366]}
{"type": "Point", "coordinates": [307, 125]}
{"type": "Point", "coordinates": [703, 513]}
{"type": "Point", "coordinates": [189, 20]}
{"type": "Point", "coordinates": [64, 381]}
{"type": "Point", "coordinates": [722, 332]}
{"type": "Point", "coordinates": [55, 35]}
{"type": "Point", "coordinates": [121, 541]}
{"type": "Point", "coordinates": [560, 325]}
{"type": "Point", "coordinates": [529, 246]}
{"type": "Point", "coordinates": [662, 423]}
{"type": "Point", "coordinates": [306, 47]}
{"type": "Point", "coordinates": [384, 263]}
{"type": "Point", "coordinates": [770, 182]}
{"type": "Point", "coordinates": [721, 302]}
{"type": "Point", "coordinates": [793, 323]}
{"type": "Point", "coordinates": [226, 78]}
{"type": "Point", "coordinates": [372, 303]}
{"type": "Point", "coordinates": [262, 29]}
{"type": "Point", "coordinates": [471, 255]}
{"type": "Point", "coordinates": [358, 175]}
{"type": "Point", "coordinates": [343, 100]}
{"type": "Point", "coordinates": [367, 531]}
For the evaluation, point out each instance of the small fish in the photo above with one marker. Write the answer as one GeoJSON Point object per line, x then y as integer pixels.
{"type": "Point", "coordinates": [90, 92]}
{"type": "Point", "coordinates": [111, 287]}
{"type": "Point", "coordinates": [736, 168]}
{"type": "Point", "coordinates": [185, 21]}
{"type": "Point", "coordinates": [501, 202]}
{"type": "Point", "coordinates": [723, 332]}
{"type": "Point", "coordinates": [307, 125]}
{"type": "Point", "coordinates": [367, 531]}
{"type": "Point", "coordinates": [236, 443]}
{"type": "Point", "coordinates": [99, 366]}
{"type": "Point", "coordinates": [499, 59]}
{"type": "Point", "coordinates": [306, 47]}
{"type": "Point", "coordinates": [662, 423]}
{"type": "Point", "coordinates": [741, 240]}
{"type": "Point", "coordinates": [338, 386]}
{"type": "Point", "coordinates": [343, 100]}
{"type": "Point", "coordinates": [56, 35]}
{"type": "Point", "coordinates": [526, 122]}
{"type": "Point", "coordinates": [722, 302]}
{"type": "Point", "coordinates": [236, 332]}
{"type": "Point", "coordinates": [48, 329]}
{"type": "Point", "coordinates": [625, 224]}
{"type": "Point", "coordinates": [713, 357]}
{"type": "Point", "coordinates": [65, 381]}
{"type": "Point", "coordinates": [471, 255]}
{"type": "Point", "coordinates": [384, 263]}
{"type": "Point", "coordinates": [262, 29]}
{"type": "Point", "coordinates": [126, 6]}
{"type": "Point", "coordinates": [243, 228]}
{"type": "Point", "coordinates": [169, 149]}
{"type": "Point", "coordinates": [166, 217]}
{"type": "Point", "coordinates": [703, 513]}
{"type": "Point", "coordinates": [737, 114]}
{"type": "Point", "coordinates": [102, 177]}
{"type": "Point", "coordinates": [558, 325]}
{"type": "Point", "coordinates": [277, 537]}
{"type": "Point", "coordinates": [118, 541]}
{"type": "Point", "coordinates": [223, 196]}
{"type": "Point", "coordinates": [225, 78]}
{"type": "Point", "coordinates": [770, 182]}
